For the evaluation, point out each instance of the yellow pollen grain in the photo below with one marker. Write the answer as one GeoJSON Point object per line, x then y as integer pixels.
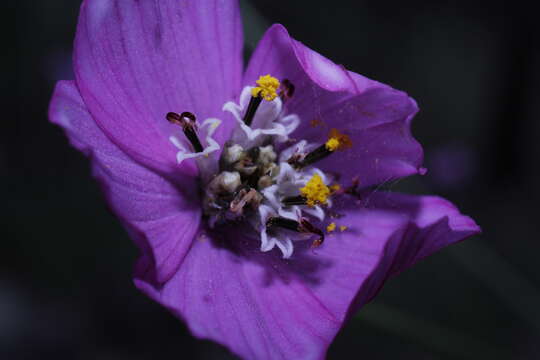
{"type": "Point", "coordinates": [337, 141]}
{"type": "Point", "coordinates": [267, 88]}
{"type": "Point", "coordinates": [334, 188]}
{"type": "Point", "coordinates": [315, 191]}
{"type": "Point", "coordinates": [342, 228]}
{"type": "Point", "coordinates": [332, 144]}
{"type": "Point", "coordinates": [331, 227]}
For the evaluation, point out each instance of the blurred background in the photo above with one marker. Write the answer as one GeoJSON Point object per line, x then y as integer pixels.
{"type": "Point", "coordinates": [473, 67]}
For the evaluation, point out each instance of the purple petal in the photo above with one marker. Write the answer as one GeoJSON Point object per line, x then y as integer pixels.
{"type": "Point", "coordinates": [375, 116]}
{"type": "Point", "coordinates": [246, 301]}
{"type": "Point", "coordinates": [263, 307]}
{"type": "Point", "coordinates": [137, 60]}
{"type": "Point", "coordinates": [162, 217]}
{"type": "Point", "coordinates": [400, 231]}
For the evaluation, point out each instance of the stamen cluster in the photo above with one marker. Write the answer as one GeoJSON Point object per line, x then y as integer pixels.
{"type": "Point", "coordinates": [278, 194]}
{"type": "Point", "coordinates": [236, 190]}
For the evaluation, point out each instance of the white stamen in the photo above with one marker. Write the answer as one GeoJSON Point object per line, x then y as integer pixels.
{"type": "Point", "coordinates": [211, 124]}
{"type": "Point", "coordinates": [302, 147]}
{"type": "Point", "coordinates": [266, 154]}
{"type": "Point", "coordinates": [267, 243]}
{"type": "Point", "coordinates": [285, 244]}
{"type": "Point", "coordinates": [226, 181]}
{"type": "Point", "coordinates": [230, 181]}
{"type": "Point", "coordinates": [281, 240]}
{"type": "Point", "coordinates": [233, 153]}
{"type": "Point", "coordinates": [267, 120]}
{"type": "Point", "coordinates": [316, 211]}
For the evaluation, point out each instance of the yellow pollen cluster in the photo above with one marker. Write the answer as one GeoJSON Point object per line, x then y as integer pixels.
{"type": "Point", "coordinates": [332, 144]}
{"type": "Point", "coordinates": [315, 191]}
{"type": "Point", "coordinates": [337, 141]}
{"type": "Point", "coordinates": [332, 227]}
{"type": "Point", "coordinates": [267, 88]}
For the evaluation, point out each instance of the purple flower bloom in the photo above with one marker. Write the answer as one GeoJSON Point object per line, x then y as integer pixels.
{"type": "Point", "coordinates": [228, 200]}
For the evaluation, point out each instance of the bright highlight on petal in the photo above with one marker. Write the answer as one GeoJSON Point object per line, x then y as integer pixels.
{"type": "Point", "coordinates": [267, 88]}
{"type": "Point", "coordinates": [315, 191]}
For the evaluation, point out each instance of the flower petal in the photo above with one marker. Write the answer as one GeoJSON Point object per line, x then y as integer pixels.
{"type": "Point", "coordinates": [375, 116]}
{"type": "Point", "coordinates": [263, 307]}
{"type": "Point", "coordinates": [137, 60]}
{"type": "Point", "coordinates": [162, 215]}
{"type": "Point", "coordinates": [394, 231]}
{"type": "Point", "coordinates": [251, 305]}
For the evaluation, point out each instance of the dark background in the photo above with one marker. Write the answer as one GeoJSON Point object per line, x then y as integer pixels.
{"type": "Point", "coordinates": [473, 67]}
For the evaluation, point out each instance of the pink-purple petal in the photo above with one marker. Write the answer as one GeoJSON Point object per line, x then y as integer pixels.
{"type": "Point", "coordinates": [375, 116]}
{"type": "Point", "coordinates": [402, 229]}
{"type": "Point", "coordinates": [245, 300]}
{"type": "Point", "coordinates": [137, 60]}
{"type": "Point", "coordinates": [162, 214]}
{"type": "Point", "coordinates": [264, 307]}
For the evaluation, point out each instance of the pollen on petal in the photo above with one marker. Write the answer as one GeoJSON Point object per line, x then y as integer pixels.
{"type": "Point", "coordinates": [331, 227]}
{"type": "Point", "coordinates": [267, 88]}
{"type": "Point", "coordinates": [315, 191]}
{"type": "Point", "coordinates": [335, 187]}
{"type": "Point", "coordinates": [337, 141]}
{"type": "Point", "coordinates": [342, 228]}
{"type": "Point", "coordinates": [315, 122]}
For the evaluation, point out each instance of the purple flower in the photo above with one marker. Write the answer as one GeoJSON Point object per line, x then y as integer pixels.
{"type": "Point", "coordinates": [228, 181]}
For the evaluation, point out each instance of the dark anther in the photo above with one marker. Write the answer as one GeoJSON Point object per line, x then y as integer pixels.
{"type": "Point", "coordinates": [278, 221]}
{"type": "Point", "coordinates": [307, 227]}
{"type": "Point", "coordinates": [318, 154]}
{"type": "Point", "coordinates": [287, 90]}
{"type": "Point", "coordinates": [188, 123]}
{"type": "Point", "coordinates": [303, 226]}
{"type": "Point", "coordinates": [253, 105]}
{"type": "Point", "coordinates": [294, 200]}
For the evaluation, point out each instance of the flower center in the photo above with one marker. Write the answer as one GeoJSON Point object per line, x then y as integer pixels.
{"type": "Point", "coordinates": [278, 193]}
